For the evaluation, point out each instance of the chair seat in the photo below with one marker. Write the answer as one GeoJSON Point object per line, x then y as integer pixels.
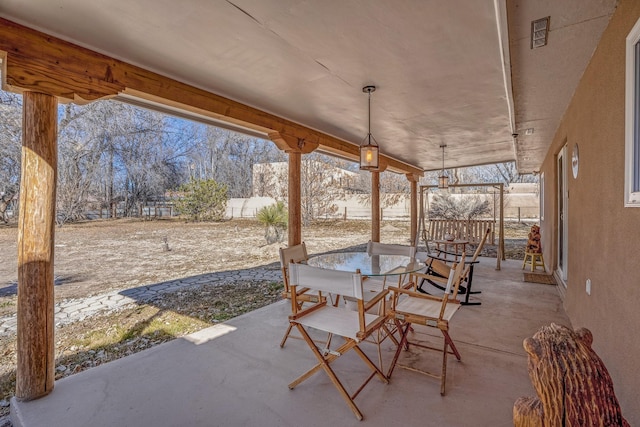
{"type": "Point", "coordinates": [339, 321]}
{"type": "Point", "coordinates": [373, 284]}
{"type": "Point", "coordinates": [426, 307]}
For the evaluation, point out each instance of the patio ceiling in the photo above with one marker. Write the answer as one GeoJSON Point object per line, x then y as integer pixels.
{"type": "Point", "coordinates": [451, 72]}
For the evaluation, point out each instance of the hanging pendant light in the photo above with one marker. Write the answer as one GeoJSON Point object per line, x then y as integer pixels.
{"type": "Point", "coordinates": [443, 179]}
{"type": "Point", "coordinates": [369, 152]}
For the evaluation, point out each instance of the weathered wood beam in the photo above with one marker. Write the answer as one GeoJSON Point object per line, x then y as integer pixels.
{"type": "Point", "coordinates": [295, 204]}
{"type": "Point", "coordinates": [288, 143]}
{"type": "Point", "coordinates": [375, 206]}
{"type": "Point", "coordinates": [36, 225]}
{"type": "Point", "coordinates": [42, 63]}
{"type": "Point", "coordinates": [413, 180]}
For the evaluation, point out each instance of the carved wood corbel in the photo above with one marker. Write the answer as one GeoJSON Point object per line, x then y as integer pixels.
{"type": "Point", "coordinates": [289, 143]}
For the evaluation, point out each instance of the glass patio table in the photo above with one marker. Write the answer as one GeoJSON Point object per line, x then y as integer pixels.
{"type": "Point", "coordinates": [369, 265]}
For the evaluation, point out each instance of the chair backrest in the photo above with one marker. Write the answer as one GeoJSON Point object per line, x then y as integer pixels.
{"type": "Point", "coordinates": [480, 245]}
{"type": "Point", "coordinates": [455, 277]}
{"type": "Point", "coordinates": [376, 248]}
{"type": "Point", "coordinates": [331, 281]}
{"type": "Point", "coordinates": [297, 254]}
{"type": "Point", "coordinates": [453, 284]}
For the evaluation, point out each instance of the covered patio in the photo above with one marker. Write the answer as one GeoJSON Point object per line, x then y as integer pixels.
{"type": "Point", "coordinates": [463, 73]}
{"type": "Point", "coordinates": [236, 374]}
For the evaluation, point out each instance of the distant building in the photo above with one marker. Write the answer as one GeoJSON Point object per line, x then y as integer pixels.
{"type": "Point", "coordinates": [271, 179]}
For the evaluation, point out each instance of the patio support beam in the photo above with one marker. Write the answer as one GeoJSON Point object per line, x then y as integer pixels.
{"type": "Point", "coordinates": [413, 181]}
{"type": "Point", "coordinates": [375, 206]}
{"type": "Point", "coordinates": [295, 207]}
{"type": "Point", "coordinates": [36, 225]}
{"type": "Point", "coordinates": [39, 62]}
{"type": "Point", "coordinates": [294, 147]}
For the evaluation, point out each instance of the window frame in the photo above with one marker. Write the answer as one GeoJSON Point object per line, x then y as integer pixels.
{"type": "Point", "coordinates": [632, 119]}
{"type": "Point", "coordinates": [541, 195]}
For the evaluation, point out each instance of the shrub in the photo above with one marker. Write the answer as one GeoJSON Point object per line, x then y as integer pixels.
{"type": "Point", "coordinates": [203, 200]}
{"type": "Point", "coordinates": [445, 206]}
{"type": "Point", "coordinates": [275, 217]}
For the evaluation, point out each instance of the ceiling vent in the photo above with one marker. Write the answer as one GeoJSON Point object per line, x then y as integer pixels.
{"type": "Point", "coordinates": [539, 32]}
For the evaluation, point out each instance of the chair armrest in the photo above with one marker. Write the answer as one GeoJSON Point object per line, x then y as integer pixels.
{"type": "Point", "coordinates": [437, 258]}
{"type": "Point", "coordinates": [426, 276]}
{"type": "Point", "coordinates": [375, 300]}
{"type": "Point", "coordinates": [301, 291]}
{"type": "Point", "coordinates": [414, 294]}
{"type": "Point", "coordinates": [371, 327]}
{"type": "Point", "coordinates": [308, 310]}
{"type": "Point", "coordinates": [442, 251]}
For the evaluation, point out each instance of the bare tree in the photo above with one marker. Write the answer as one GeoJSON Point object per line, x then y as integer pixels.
{"type": "Point", "coordinates": [322, 183]}
{"type": "Point", "coordinates": [10, 148]}
{"type": "Point", "coordinates": [393, 188]}
{"type": "Point", "coordinates": [271, 180]}
{"type": "Point", "coordinates": [497, 173]}
{"type": "Point", "coordinates": [228, 157]}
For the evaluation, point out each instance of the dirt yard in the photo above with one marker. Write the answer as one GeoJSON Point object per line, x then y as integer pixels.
{"type": "Point", "coordinates": [100, 256]}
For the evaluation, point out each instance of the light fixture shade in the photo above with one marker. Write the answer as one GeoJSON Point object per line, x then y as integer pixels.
{"type": "Point", "coordinates": [369, 152]}
{"type": "Point", "coordinates": [369, 156]}
{"type": "Point", "coordinates": [443, 179]}
{"type": "Point", "coordinates": [443, 182]}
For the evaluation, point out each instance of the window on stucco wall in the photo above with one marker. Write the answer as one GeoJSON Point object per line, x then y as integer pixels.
{"type": "Point", "coordinates": [541, 185]}
{"type": "Point", "coordinates": [632, 119]}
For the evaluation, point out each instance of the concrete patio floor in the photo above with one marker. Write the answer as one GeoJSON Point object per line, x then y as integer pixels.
{"type": "Point", "coordinates": [235, 374]}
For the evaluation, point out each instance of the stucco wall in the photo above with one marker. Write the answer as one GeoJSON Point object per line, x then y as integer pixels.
{"type": "Point", "coordinates": [604, 236]}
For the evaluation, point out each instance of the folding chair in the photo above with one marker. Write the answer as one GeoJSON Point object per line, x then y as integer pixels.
{"type": "Point", "coordinates": [352, 326]}
{"type": "Point", "coordinates": [376, 284]}
{"type": "Point", "coordinates": [376, 248]}
{"type": "Point", "coordinates": [296, 254]}
{"type": "Point", "coordinates": [409, 307]}
{"type": "Point", "coordinates": [438, 267]}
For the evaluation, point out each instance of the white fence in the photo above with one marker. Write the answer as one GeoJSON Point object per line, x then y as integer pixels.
{"type": "Point", "coordinates": [517, 206]}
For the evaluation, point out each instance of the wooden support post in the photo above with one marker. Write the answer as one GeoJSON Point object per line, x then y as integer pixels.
{"type": "Point", "coordinates": [413, 180]}
{"type": "Point", "coordinates": [375, 206]}
{"type": "Point", "coordinates": [501, 255]}
{"type": "Point", "coordinates": [35, 321]}
{"type": "Point", "coordinates": [295, 207]}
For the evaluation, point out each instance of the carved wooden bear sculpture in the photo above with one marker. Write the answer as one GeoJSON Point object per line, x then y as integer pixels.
{"type": "Point", "coordinates": [573, 385]}
{"type": "Point", "coordinates": [533, 244]}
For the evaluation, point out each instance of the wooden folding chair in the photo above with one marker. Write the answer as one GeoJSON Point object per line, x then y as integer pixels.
{"type": "Point", "coordinates": [295, 254]}
{"type": "Point", "coordinates": [376, 248]}
{"type": "Point", "coordinates": [376, 284]}
{"type": "Point", "coordinates": [352, 326]}
{"type": "Point", "coordinates": [409, 307]}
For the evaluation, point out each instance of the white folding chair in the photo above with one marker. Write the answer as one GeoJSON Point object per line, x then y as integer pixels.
{"type": "Point", "coordinates": [352, 326]}
{"type": "Point", "coordinates": [411, 307]}
{"type": "Point", "coordinates": [377, 248]}
{"type": "Point", "coordinates": [377, 284]}
{"type": "Point", "coordinates": [296, 254]}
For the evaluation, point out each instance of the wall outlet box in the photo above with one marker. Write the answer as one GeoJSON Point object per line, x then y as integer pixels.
{"type": "Point", "coordinates": [588, 286]}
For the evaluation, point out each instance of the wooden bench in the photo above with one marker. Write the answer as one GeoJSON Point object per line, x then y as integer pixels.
{"type": "Point", "coordinates": [471, 230]}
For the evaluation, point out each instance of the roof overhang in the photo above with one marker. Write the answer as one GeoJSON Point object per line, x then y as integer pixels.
{"type": "Point", "coordinates": [459, 72]}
